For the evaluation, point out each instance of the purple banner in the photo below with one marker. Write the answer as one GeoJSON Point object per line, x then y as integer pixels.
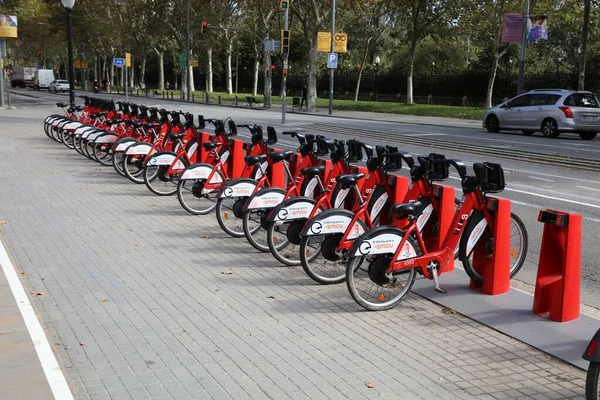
{"type": "Point", "coordinates": [512, 28]}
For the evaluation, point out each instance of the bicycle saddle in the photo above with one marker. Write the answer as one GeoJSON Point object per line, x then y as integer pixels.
{"type": "Point", "coordinates": [211, 145]}
{"type": "Point", "coordinates": [280, 156]}
{"type": "Point", "coordinates": [312, 171]}
{"type": "Point", "coordinates": [413, 209]}
{"type": "Point", "coordinates": [349, 180]}
{"type": "Point", "coordinates": [253, 160]}
{"type": "Point", "coordinates": [61, 104]}
{"type": "Point", "coordinates": [174, 136]}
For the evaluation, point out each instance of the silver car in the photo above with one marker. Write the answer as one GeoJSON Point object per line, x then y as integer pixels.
{"type": "Point", "coordinates": [550, 111]}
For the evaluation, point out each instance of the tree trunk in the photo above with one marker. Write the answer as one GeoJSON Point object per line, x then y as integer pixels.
{"type": "Point", "coordinates": [267, 74]}
{"type": "Point", "coordinates": [255, 73]}
{"type": "Point", "coordinates": [131, 74]}
{"type": "Point", "coordinates": [362, 68]}
{"type": "Point", "coordinates": [161, 70]}
{"type": "Point", "coordinates": [411, 71]}
{"type": "Point", "coordinates": [312, 69]}
{"type": "Point", "coordinates": [228, 53]}
{"type": "Point", "coordinates": [112, 75]}
{"type": "Point", "coordinates": [121, 76]}
{"type": "Point", "coordinates": [143, 70]}
{"type": "Point", "coordinates": [192, 85]}
{"type": "Point", "coordinates": [584, 41]}
{"type": "Point", "coordinates": [209, 71]}
{"type": "Point", "coordinates": [490, 88]}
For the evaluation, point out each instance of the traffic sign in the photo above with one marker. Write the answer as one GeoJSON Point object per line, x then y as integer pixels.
{"type": "Point", "coordinates": [128, 60]}
{"type": "Point", "coordinates": [182, 60]}
{"type": "Point", "coordinates": [119, 62]}
{"type": "Point", "coordinates": [194, 62]}
{"type": "Point", "coordinates": [332, 60]}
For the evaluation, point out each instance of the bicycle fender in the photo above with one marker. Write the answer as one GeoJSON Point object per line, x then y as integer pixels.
{"type": "Point", "coordinates": [165, 158]}
{"type": "Point", "coordinates": [265, 199]}
{"type": "Point", "coordinates": [57, 121]}
{"type": "Point", "coordinates": [292, 209]}
{"type": "Point", "coordinates": [84, 128]}
{"type": "Point", "coordinates": [200, 171]}
{"type": "Point", "coordinates": [379, 198]}
{"type": "Point", "coordinates": [264, 166]}
{"type": "Point", "coordinates": [333, 221]}
{"type": "Point", "coordinates": [124, 145]}
{"type": "Point", "coordinates": [241, 187]}
{"type": "Point", "coordinates": [52, 117]}
{"type": "Point", "coordinates": [382, 240]}
{"type": "Point", "coordinates": [106, 138]}
{"type": "Point", "coordinates": [139, 149]}
{"type": "Point", "coordinates": [93, 135]}
{"type": "Point", "coordinates": [72, 125]}
{"type": "Point", "coordinates": [592, 352]}
{"type": "Point", "coordinates": [475, 234]}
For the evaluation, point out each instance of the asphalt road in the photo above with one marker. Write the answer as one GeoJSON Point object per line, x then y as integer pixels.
{"type": "Point", "coordinates": [530, 186]}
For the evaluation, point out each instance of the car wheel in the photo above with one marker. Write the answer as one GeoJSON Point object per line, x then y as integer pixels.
{"type": "Point", "coordinates": [492, 124]}
{"type": "Point", "coordinates": [587, 135]}
{"type": "Point", "coordinates": [527, 132]}
{"type": "Point", "coordinates": [550, 128]}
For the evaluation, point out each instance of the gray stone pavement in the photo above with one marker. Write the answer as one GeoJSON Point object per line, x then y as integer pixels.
{"type": "Point", "coordinates": [135, 301]}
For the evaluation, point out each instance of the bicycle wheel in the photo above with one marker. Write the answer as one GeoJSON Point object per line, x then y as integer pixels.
{"type": "Point", "coordinates": [592, 383]}
{"type": "Point", "coordinates": [195, 199]}
{"type": "Point", "coordinates": [159, 182]}
{"type": "Point", "coordinates": [88, 150]}
{"type": "Point", "coordinates": [284, 241]}
{"type": "Point", "coordinates": [371, 288]}
{"type": "Point", "coordinates": [133, 168]}
{"type": "Point", "coordinates": [117, 162]}
{"type": "Point", "coordinates": [68, 139]}
{"type": "Point", "coordinates": [519, 241]}
{"type": "Point", "coordinates": [321, 261]}
{"type": "Point", "coordinates": [254, 225]}
{"type": "Point", "coordinates": [101, 153]}
{"type": "Point", "coordinates": [230, 215]}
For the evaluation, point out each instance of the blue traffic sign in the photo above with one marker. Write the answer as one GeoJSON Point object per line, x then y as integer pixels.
{"type": "Point", "coordinates": [119, 62]}
{"type": "Point", "coordinates": [332, 60]}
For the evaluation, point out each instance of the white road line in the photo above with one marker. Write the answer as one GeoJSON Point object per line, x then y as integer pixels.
{"type": "Point", "coordinates": [541, 179]}
{"type": "Point", "coordinates": [424, 134]}
{"type": "Point", "coordinates": [588, 188]}
{"type": "Point", "coordinates": [593, 219]}
{"type": "Point", "coordinates": [554, 198]}
{"type": "Point", "coordinates": [54, 375]}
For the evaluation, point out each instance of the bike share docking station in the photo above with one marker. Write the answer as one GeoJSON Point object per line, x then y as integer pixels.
{"type": "Point", "coordinates": [557, 287]}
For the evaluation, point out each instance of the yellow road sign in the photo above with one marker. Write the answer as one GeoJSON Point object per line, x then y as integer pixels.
{"type": "Point", "coordinates": [340, 43]}
{"type": "Point", "coordinates": [128, 60]}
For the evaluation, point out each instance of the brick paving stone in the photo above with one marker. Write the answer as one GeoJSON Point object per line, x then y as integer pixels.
{"type": "Point", "coordinates": [139, 281]}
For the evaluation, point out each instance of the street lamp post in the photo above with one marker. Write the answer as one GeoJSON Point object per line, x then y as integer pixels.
{"type": "Point", "coordinates": [377, 62]}
{"type": "Point", "coordinates": [68, 5]}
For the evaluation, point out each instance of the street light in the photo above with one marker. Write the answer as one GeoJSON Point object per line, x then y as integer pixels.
{"type": "Point", "coordinates": [377, 63]}
{"type": "Point", "coordinates": [68, 5]}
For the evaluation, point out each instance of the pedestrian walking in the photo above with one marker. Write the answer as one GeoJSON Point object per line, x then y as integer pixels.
{"type": "Point", "coordinates": [304, 96]}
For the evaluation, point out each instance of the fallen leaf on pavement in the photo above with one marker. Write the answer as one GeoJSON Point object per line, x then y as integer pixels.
{"type": "Point", "coordinates": [83, 343]}
{"type": "Point", "coordinates": [270, 297]}
{"type": "Point", "coordinates": [227, 272]}
{"type": "Point", "coordinates": [2, 222]}
{"type": "Point", "coordinates": [137, 245]}
{"type": "Point", "coordinates": [448, 310]}
{"type": "Point", "coordinates": [369, 385]}
{"type": "Point", "coordinates": [104, 300]}
{"type": "Point", "coordinates": [37, 293]}
{"type": "Point", "coordinates": [24, 273]}
{"type": "Point", "coordinates": [204, 237]}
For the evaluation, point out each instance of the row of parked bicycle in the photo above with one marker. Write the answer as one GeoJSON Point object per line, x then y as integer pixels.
{"type": "Point", "coordinates": [338, 208]}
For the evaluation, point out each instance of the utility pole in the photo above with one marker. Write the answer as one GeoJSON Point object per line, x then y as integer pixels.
{"type": "Point", "coordinates": [187, 53]}
{"type": "Point", "coordinates": [2, 73]}
{"type": "Point", "coordinates": [285, 63]}
{"type": "Point", "coordinates": [523, 49]}
{"type": "Point", "coordinates": [331, 70]}
{"type": "Point", "coordinates": [584, 41]}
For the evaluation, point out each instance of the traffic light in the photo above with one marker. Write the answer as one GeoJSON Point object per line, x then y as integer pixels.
{"type": "Point", "coordinates": [284, 4]}
{"type": "Point", "coordinates": [203, 27]}
{"type": "Point", "coordinates": [285, 72]}
{"type": "Point", "coordinates": [285, 42]}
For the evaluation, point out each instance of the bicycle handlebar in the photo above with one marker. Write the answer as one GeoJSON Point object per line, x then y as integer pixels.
{"type": "Point", "coordinates": [460, 166]}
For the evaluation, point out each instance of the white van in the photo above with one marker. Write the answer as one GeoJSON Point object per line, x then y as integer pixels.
{"type": "Point", "coordinates": [42, 79]}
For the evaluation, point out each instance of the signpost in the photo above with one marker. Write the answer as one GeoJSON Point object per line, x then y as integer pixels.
{"type": "Point", "coordinates": [2, 53]}
{"type": "Point", "coordinates": [332, 52]}
{"type": "Point", "coordinates": [120, 63]}
{"type": "Point", "coordinates": [332, 60]}
{"type": "Point", "coordinates": [285, 7]}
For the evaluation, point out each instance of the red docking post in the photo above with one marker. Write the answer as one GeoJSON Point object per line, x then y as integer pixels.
{"type": "Point", "coordinates": [495, 269]}
{"type": "Point", "coordinates": [557, 287]}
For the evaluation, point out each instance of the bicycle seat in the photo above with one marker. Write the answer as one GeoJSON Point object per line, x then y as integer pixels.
{"type": "Point", "coordinates": [349, 180]}
{"type": "Point", "coordinates": [413, 209]}
{"type": "Point", "coordinates": [253, 160]}
{"type": "Point", "coordinates": [61, 104]}
{"type": "Point", "coordinates": [211, 145]}
{"type": "Point", "coordinates": [281, 155]}
{"type": "Point", "coordinates": [174, 136]}
{"type": "Point", "coordinates": [312, 171]}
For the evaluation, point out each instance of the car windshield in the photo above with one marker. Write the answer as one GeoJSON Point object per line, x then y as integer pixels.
{"type": "Point", "coordinates": [582, 100]}
{"type": "Point", "coordinates": [63, 82]}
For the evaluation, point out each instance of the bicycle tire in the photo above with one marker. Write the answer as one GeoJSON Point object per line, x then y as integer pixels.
{"type": "Point", "coordinates": [308, 263]}
{"type": "Point", "coordinates": [255, 233]}
{"type": "Point", "coordinates": [101, 153]}
{"type": "Point", "coordinates": [592, 381]}
{"type": "Point", "coordinates": [226, 210]}
{"type": "Point", "coordinates": [282, 249]}
{"type": "Point", "coordinates": [192, 202]}
{"type": "Point", "coordinates": [519, 258]}
{"type": "Point", "coordinates": [157, 183]}
{"type": "Point", "coordinates": [77, 143]}
{"type": "Point", "coordinates": [68, 140]}
{"type": "Point", "coordinates": [133, 169]}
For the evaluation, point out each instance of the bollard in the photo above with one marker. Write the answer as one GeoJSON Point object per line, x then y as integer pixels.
{"type": "Point", "coordinates": [445, 196]}
{"type": "Point", "coordinates": [557, 287]}
{"type": "Point", "coordinates": [219, 99]}
{"type": "Point", "coordinates": [171, 95]}
{"type": "Point", "coordinates": [495, 269]}
{"type": "Point", "coordinates": [206, 95]}
{"type": "Point", "coordinates": [237, 164]}
{"type": "Point", "coordinates": [193, 98]}
{"type": "Point", "coordinates": [163, 93]}
{"type": "Point", "coordinates": [236, 100]}
{"type": "Point", "coordinates": [7, 97]}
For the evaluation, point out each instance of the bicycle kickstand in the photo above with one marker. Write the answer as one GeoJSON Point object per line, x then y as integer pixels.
{"type": "Point", "coordinates": [436, 280]}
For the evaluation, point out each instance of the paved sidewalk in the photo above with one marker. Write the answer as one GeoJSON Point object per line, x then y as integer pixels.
{"type": "Point", "coordinates": [134, 290]}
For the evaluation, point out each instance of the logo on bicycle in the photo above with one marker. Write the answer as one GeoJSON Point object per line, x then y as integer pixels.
{"type": "Point", "coordinates": [153, 161]}
{"type": "Point", "coordinates": [364, 248]}
{"type": "Point", "coordinates": [283, 214]}
{"type": "Point", "coordinates": [316, 228]}
{"type": "Point", "coordinates": [228, 192]}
